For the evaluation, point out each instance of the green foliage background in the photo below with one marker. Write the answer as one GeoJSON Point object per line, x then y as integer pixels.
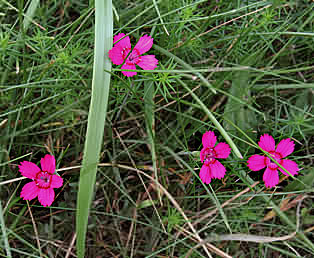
{"type": "Point", "coordinates": [257, 55]}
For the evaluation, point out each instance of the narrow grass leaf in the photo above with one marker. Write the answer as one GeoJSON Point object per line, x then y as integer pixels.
{"type": "Point", "coordinates": [307, 242]}
{"type": "Point", "coordinates": [149, 92]}
{"type": "Point", "coordinates": [27, 18]}
{"type": "Point", "coordinates": [161, 20]}
{"type": "Point", "coordinates": [30, 13]}
{"type": "Point", "coordinates": [213, 119]}
{"type": "Point", "coordinates": [211, 194]}
{"type": "Point", "coordinates": [185, 65]}
{"type": "Point", "coordinates": [4, 234]}
{"type": "Point", "coordinates": [96, 117]}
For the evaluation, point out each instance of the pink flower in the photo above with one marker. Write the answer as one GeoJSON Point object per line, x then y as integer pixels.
{"type": "Point", "coordinates": [44, 180]}
{"type": "Point", "coordinates": [212, 168]}
{"type": "Point", "coordinates": [122, 48]}
{"type": "Point", "coordinates": [258, 162]}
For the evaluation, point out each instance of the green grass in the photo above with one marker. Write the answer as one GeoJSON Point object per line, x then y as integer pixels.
{"type": "Point", "coordinates": [240, 68]}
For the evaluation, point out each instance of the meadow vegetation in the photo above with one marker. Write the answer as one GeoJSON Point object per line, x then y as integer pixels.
{"type": "Point", "coordinates": [246, 66]}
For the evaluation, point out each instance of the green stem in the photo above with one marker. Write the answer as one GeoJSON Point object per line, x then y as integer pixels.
{"type": "Point", "coordinates": [213, 119]}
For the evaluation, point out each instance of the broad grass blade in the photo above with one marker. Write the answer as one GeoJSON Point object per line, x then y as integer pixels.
{"type": "Point", "coordinates": [149, 91]}
{"type": "Point", "coordinates": [96, 117]}
{"type": "Point", "coordinates": [4, 233]}
{"type": "Point", "coordinates": [237, 112]}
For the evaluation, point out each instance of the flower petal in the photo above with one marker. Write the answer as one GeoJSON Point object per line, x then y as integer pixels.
{"type": "Point", "coordinates": [29, 191]}
{"type": "Point", "coordinates": [256, 162]}
{"type": "Point", "coordinates": [29, 169]}
{"type": "Point", "coordinates": [290, 165]}
{"type": "Point", "coordinates": [202, 155]}
{"type": "Point", "coordinates": [129, 67]}
{"type": "Point", "coordinates": [222, 150]}
{"type": "Point", "coordinates": [116, 55]}
{"type": "Point", "coordinates": [205, 174]}
{"type": "Point", "coordinates": [271, 177]}
{"type": "Point", "coordinates": [148, 62]}
{"type": "Point", "coordinates": [267, 143]}
{"type": "Point", "coordinates": [46, 196]}
{"type": "Point", "coordinates": [209, 139]}
{"type": "Point", "coordinates": [56, 181]}
{"type": "Point", "coordinates": [285, 147]}
{"type": "Point", "coordinates": [217, 170]}
{"type": "Point", "coordinates": [48, 164]}
{"type": "Point", "coordinates": [123, 43]}
{"type": "Point", "coordinates": [144, 44]}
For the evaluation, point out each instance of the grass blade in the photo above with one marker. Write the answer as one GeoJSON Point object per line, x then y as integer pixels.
{"type": "Point", "coordinates": [158, 12]}
{"type": "Point", "coordinates": [30, 13]}
{"type": "Point", "coordinates": [96, 118]}
{"type": "Point", "coordinates": [237, 112]}
{"type": "Point", "coordinates": [213, 119]}
{"type": "Point", "coordinates": [185, 65]}
{"type": "Point", "coordinates": [281, 214]}
{"type": "Point", "coordinates": [4, 233]}
{"type": "Point", "coordinates": [27, 19]}
{"type": "Point", "coordinates": [150, 124]}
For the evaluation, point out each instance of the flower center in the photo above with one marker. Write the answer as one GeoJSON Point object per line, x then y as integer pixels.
{"type": "Point", "coordinates": [276, 156]}
{"type": "Point", "coordinates": [43, 179]}
{"type": "Point", "coordinates": [134, 57]}
{"type": "Point", "coordinates": [209, 156]}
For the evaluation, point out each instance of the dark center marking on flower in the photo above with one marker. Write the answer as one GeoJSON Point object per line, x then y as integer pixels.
{"type": "Point", "coordinates": [125, 52]}
{"type": "Point", "coordinates": [43, 179]}
{"type": "Point", "coordinates": [270, 164]}
{"type": "Point", "coordinates": [134, 57]}
{"type": "Point", "coordinates": [209, 156]}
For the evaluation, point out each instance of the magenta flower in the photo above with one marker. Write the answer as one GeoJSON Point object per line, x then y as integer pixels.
{"type": "Point", "coordinates": [258, 162]}
{"type": "Point", "coordinates": [44, 180]}
{"type": "Point", "coordinates": [212, 168]}
{"type": "Point", "coordinates": [122, 48]}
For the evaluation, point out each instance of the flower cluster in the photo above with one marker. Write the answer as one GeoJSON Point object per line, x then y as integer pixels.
{"type": "Point", "coordinates": [44, 180]}
{"type": "Point", "coordinates": [212, 168]}
{"type": "Point", "coordinates": [122, 54]}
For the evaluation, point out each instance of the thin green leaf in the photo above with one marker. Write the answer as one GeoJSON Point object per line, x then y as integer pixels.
{"type": "Point", "coordinates": [4, 234]}
{"type": "Point", "coordinates": [213, 119]}
{"type": "Point", "coordinates": [161, 20]}
{"type": "Point", "coordinates": [185, 65]}
{"type": "Point", "coordinates": [149, 93]}
{"type": "Point", "coordinates": [30, 13]}
{"type": "Point", "coordinates": [280, 213]}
